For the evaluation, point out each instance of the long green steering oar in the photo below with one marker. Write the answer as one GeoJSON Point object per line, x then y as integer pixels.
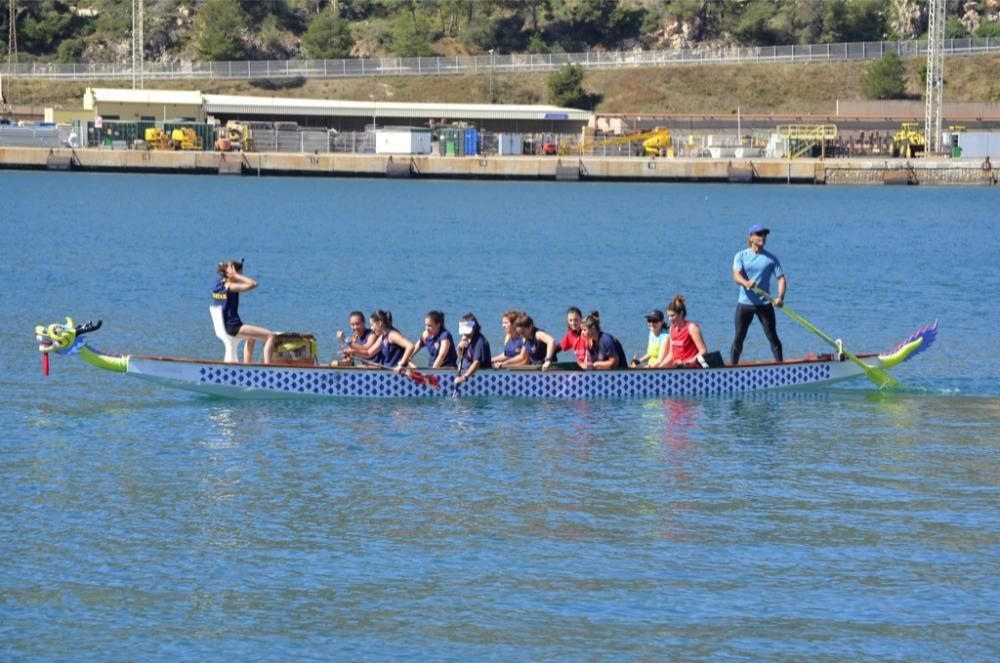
{"type": "Point", "coordinates": [876, 375]}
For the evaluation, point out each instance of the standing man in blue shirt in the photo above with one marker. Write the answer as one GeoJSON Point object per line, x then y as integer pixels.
{"type": "Point", "coordinates": [753, 266]}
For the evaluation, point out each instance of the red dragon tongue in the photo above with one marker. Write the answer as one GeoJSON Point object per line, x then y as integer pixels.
{"type": "Point", "coordinates": [45, 364]}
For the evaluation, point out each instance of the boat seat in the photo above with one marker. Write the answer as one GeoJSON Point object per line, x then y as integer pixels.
{"type": "Point", "coordinates": [231, 342]}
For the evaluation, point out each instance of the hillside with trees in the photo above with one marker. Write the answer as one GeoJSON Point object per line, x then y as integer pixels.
{"type": "Point", "coordinates": [203, 30]}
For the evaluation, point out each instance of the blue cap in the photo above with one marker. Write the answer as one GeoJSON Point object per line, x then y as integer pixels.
{"type": "Point", "coordinates": [758, 229]}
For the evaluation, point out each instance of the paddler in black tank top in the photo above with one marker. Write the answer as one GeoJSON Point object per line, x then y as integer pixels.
{"type": "Point", "coordinates": [226, 293]}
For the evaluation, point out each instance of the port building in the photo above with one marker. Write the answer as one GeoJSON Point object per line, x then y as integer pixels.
{"type": "Point", "coordinates": [343, 116]}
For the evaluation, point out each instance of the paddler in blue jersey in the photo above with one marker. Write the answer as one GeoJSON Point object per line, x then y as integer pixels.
{"type": "Point", "coordinates": [473, 349]}
{"type": "Point", "coordinates": [362, 339]}
{"type": "Point", "coordinates": [604, 352]}
{"type": "Point", "coordinates": [438, 342]}
{"type": "Point", "coordinates": [754, 266]}
{"type": "Point", "coordinates": [229, 283]}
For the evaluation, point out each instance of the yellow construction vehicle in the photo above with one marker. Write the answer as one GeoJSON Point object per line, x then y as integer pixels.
{"type": "Point", "coordinates": [651, 143]}
{"type": "Point", "coordinates": [908, 142]}
{"type": "Point", "coordinates": [240, 136]}
{"type": "Point", "coordinates": [186, 138]}
{"type": "Point", "coordinates": [157, 139]}
{"type": "Point", "coordinates": [659, 144]}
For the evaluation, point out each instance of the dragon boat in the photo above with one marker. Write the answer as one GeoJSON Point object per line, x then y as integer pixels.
{"type": "Point", "coordinates": [564, 381]}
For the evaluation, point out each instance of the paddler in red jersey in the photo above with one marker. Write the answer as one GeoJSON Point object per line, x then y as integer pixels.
{"type": "Point", "coordinates": [686, 342]}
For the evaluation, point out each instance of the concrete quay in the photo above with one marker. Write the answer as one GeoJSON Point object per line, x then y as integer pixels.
{"type": "Point", "coordinates": [942, 171]}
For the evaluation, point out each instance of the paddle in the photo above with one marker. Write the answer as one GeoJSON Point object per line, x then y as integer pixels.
{"type": "Point", "coordinates": [432, 381]}
{"type": "Point", "coordinates": [876, 375]}
{"type": "Point", "coordinates": [461, 364]}
{"type": "Point", "coordinates": [427, 380]}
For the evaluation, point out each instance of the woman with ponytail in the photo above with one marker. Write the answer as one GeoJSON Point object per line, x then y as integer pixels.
{"type": "Point", "coordinates": [686, 342]}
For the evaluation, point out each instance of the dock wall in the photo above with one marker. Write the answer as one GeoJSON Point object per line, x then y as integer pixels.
{"type": "Point", "coordinates": [633, 169]}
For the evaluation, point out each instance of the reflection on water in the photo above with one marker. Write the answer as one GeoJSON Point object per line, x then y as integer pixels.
{"type": "Point", "coordinates": [225, 425]}
{"type": "Point", "coordinates": [667, 426]}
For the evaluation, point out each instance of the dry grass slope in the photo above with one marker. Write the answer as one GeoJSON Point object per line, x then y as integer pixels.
{"type": "Point", "coordinates": [708, 89]}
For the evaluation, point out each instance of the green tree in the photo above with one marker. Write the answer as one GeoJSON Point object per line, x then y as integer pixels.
{"type": "Point", "coordinates": [114, 22]}
{"type": "Point", "coordinates": [411, 37]}
{"type": "Point", "coordinates": [867, 20]}
{"type": "Point", "coordinates": [625, 23]}
{"type": "Point", "coordinates": [538, 45]}
{"type": "Point", "coordinates": [269, 36]}
{"type": "Point", "coordinates": [255, 12]}
{"type": "Point", "coordinates": [492, 29]}
{"type": "Point", "coordinates": [328, 37]}
{"type": "Point", "coordinates": [953, 28]}
{"type": "Point", "coordinates": [43, 26]}
{"type": "Point", "coordinates": [70, 50]}
{"type": "Point", "coordinates": [565, 88]}
{"type": "Point", "coordinates": [754, 24]}
{"type": "Point", "coordinates": [219, 28]}
{"type": "Point", "coordinates": [580, 24]}
{"type": "Point", "coordinates": [884, 79]}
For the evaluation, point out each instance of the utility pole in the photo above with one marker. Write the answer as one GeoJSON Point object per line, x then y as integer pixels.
{"type": "Point", "coordinates": [934, 95]}
{"type": "Point", "coordinates": [11, 56]}
{"type": "Point", "coordinates": [138, 39]}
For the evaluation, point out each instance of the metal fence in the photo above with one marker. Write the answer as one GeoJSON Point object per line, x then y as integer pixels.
{"type": "Point", "coordinates": [285, 139]}
{"type": "Point", "coordinates": [492, 63]}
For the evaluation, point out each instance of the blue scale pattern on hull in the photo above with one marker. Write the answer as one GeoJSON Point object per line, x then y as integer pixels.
{"type": "Point", "coordinates": [554, 385]}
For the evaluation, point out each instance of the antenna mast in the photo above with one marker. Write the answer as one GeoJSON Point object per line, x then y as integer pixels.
{"type": "Point", "coordinates": [934, 96]}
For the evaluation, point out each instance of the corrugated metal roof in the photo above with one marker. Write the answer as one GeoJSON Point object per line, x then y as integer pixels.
{"type": "Point", "coordinates": [247, 105]}
{"type": "Point", "coordinates": [123, 96]}
{"type": "Point", "coordinates": [229, 104]}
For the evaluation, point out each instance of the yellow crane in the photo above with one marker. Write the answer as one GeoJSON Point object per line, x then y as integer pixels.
{"type": "Point", "coordinates": [653, 143]}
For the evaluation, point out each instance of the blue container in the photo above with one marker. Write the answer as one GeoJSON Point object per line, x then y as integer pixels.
{"type": "Point", "coordinates": [471, 142]}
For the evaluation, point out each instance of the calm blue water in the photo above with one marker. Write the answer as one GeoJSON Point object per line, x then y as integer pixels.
{"type": "Point", "coordinates": [139, 523]}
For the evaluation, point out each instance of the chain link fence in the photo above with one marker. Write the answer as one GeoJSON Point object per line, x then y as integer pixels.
{"type": "Point", "coordinates": [492, 63]}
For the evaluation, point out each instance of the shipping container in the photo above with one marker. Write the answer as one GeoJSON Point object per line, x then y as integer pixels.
{"type": "Point", "coordinates": [403, 140]}
{"type": "Point", "coordinates": [979, 144]}
{"type": "Point", "coordinates": [509, 144]}
{"type": "Point", "coordinates": [452, 142]}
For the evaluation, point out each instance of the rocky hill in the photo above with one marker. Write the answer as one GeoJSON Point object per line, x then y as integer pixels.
{"type": "Point", "coordinates": [191, 30]}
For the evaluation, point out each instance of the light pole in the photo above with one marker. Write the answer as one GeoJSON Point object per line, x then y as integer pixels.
{"type": "Point", "coordinates": [492, 67]}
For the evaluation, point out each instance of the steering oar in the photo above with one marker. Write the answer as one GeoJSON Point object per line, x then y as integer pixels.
{"type": "Point", "coordinates": [876, 375]}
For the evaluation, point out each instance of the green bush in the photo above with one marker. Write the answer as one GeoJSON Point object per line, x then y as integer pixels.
{"type": "Point", "coordinates": [884, 79]}
{"type": "Point", "coordinates": [989, 29]}
{"type": "Point", "coordinates": [278, 83]}
{"type": "Point", "coordinates": [953, 28]}
{"type": "Point", "coordinates": [70, 50]}
{"type": "Point", "coordinates": [566, 89]}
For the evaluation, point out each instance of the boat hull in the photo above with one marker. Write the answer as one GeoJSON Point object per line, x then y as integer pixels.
{"type": "Point", "coordinates": [258, 381]}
